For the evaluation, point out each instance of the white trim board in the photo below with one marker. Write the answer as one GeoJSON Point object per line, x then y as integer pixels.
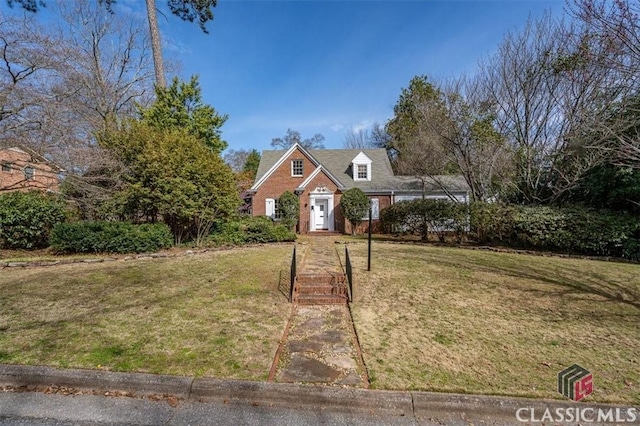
{"type": "Point", "coordinates": [281, 161]}
{"type": "Point", "coordinates": [315, 173]}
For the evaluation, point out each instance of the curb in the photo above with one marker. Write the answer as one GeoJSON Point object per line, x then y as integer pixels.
{"type": "Point", "coordinates": [140, 383]}
{"type": "Point", "coordinates": [439, 407]}
{"type": "Point", "coordinates": [303, 396]}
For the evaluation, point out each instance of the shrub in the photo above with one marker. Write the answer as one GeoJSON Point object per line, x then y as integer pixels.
{"type": "Point", "coordinates": [26, 219]}
{"type": "Point", "coordinates": [251, 230]}
{"type": "Point", "coordinates": [492, 222]}
{"type": "Point", "coordinates": [227, 233]}
{"type": "Point", "coordinates": [421, 216]}
{"type": "Point", "coordinates": [289, 206]}
{"type": "Point", "coordinates": [110, 237]}
{"type": "Point", "coordinates": [354, 205]}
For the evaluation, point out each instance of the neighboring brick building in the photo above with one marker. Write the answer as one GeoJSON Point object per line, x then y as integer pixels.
{"type": "Point", "coordinates": [23, 170]}
{"type": "Point", "coordinates": [319, 178]}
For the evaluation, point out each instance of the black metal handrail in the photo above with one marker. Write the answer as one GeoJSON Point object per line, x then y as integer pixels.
{"type": "Point", "coordinates": [349, 274]}
{"type": "Point", "coordinates": [293, 275]}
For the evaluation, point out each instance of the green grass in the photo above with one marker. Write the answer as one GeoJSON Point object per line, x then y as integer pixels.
{"type": "Point", "coordinates": [217, 314]}
{"type": "Point", "coordinates": [458, 320]}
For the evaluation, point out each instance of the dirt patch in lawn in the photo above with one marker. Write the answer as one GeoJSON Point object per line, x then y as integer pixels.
{"type": "Point", "coordinates": [456, 320]}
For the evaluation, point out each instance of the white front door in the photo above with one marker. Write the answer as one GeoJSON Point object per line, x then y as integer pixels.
{"type": "Point", "coordinates": [321, 211]}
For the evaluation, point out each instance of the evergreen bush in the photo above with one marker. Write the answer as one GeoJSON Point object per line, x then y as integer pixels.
{"type": "Point", "coordinates": [26, 219]}
{"type": "Point", "coordinates": [110, 237]}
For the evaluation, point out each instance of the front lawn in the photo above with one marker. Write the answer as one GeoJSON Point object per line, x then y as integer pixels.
{"type": "Point", "coordinates": [428, 318]}
{"type": "Point", "coordinates": [458, 320]}
{"type": "Point", "coordinates": [215, 314]}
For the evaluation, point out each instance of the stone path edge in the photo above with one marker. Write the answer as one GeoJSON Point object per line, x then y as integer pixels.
{"type": "Point", "coordinates": [354, 330]}
{"type": "Point", "coordinates": [443, 406]}
{"type": "Point", "coordinates": [281, 344]}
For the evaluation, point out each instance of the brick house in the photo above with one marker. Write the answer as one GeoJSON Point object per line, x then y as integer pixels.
{"type": "Point", "coordinates": [320, 177]}
{"type": "Point", "coordinates": [22, 170]}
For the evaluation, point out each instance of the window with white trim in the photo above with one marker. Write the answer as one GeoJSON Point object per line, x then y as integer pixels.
{"type": "Point", "coordinates": [361, 167]}
{"type": "Point", "coordinates": [375, 210]}
{"type": "Point", "coordinates": [297, 168]}
{"type": "Point", "coordinates": [272, 209]}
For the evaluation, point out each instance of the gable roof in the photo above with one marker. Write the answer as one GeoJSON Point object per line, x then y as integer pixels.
{"type": "Point", "coordinates": [271, 160]}
{"type": "Point", "coordinates": [315, 173]}
{"type": "Point", "coordinates": [337, 164]}
{"type": "Point", "coordinates": [453, 183]}
{"type": "Point", "coordinates": [361, 158]}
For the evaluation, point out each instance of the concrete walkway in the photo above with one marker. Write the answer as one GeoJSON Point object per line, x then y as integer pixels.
{"type": "Point", "coordinates": [319, 344]}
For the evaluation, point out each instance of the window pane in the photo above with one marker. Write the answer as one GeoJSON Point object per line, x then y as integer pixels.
{"type": "Point", "coordinates": [28, 173]}
{"type": "Point", "coordinates": [297, 168]}
{"type": "Point", "coordinates": [362, 171]}
{"type": "Point", "coordinates": [6, 167]}
{"type": "Point", "coordinates": [375, 209]}
{"type": "Point", "coordinates": [278, 212]}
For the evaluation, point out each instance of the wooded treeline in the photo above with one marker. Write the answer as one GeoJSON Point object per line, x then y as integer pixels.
{"type": "Point", "coordinates": [551, 118]}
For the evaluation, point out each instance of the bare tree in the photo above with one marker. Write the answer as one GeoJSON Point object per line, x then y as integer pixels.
{"type": "Point", "coordinates": [614, 26]}
{"type": "Point", "coordinates": [236, 159]}
{"type": "Point", "coordinates": [473, 142]}
{"type": "Point", "coordinates": [550, 90]}
{"type": "Point", "coordinates": [28, 63]}
{"type": "Point", "coordinates": [187, 10]}
{"type": "Point", "coordinates": [293, 136]}
{"type": "Point", "coordinates": [357, 138]}
{"type": "Point", "coordinates": [518, 80]}
{"type": "Point", "coordinates": [366, 138]}
{"type": "Point", "coordinates": [66, 83]}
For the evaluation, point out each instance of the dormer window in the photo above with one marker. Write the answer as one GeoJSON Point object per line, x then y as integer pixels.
{"type": "Point", "coordinates": [362, 172]}
{"type": "Point", "coordinates": [297, 168]}
{"type": "Point", "coordinates": [361, 167]}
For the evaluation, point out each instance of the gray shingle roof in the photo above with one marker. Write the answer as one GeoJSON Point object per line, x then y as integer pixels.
{"type": "Point", "coordinates": [338, 163]}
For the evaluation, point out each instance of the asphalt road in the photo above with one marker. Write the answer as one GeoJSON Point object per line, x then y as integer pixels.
{"type": "Point", "coordinates": [84, 397]}
{"type": "Point", "coordinates": [35, 408]}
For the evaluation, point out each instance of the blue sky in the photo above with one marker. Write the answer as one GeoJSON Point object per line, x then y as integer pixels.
{"type": "Point", "coordinates": [326, 66]}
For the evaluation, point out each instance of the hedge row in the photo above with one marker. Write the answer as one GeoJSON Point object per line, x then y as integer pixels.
{"type": "Point", "coordinates": [110, 237]}
{"type": "Point", "coordinates": [572, 230]}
